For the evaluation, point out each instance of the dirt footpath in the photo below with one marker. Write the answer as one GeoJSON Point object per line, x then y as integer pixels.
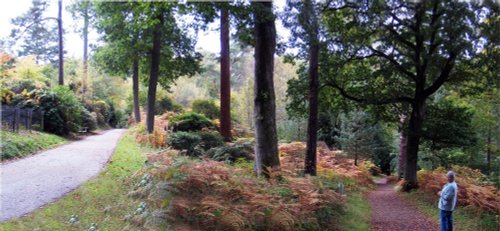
{"type": "Point", "coordinates": [29, 183]}
{"type": "Point", "coordinates": [392, 213]}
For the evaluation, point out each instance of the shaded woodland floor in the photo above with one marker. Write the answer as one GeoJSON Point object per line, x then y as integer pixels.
{"type": "Point", "coordinates": [391, 213]}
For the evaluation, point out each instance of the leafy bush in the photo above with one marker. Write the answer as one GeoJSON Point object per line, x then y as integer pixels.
{"type": "Point", "coordinates": [232, 153]}
{"type": "Point", "coordinates": [89, 120]}
{"type": "Point", "coordinates": [190, 121]}
{"type": "Point", "coordinates": [62, 109]}
{"type": "Point", "coordinates": [102, 110]}
{"type": "Point", "coordinates": [210, 140]}
{"type": "Point", "coordinates": [206, 107]}
{"type": "Point", "coordinates": [185, 141]}
{"type": "Point", "coordinates": [165, 104]}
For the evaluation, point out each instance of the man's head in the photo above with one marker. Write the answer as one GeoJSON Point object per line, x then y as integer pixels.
{"type": "Point", "coordinates": [451, 176]}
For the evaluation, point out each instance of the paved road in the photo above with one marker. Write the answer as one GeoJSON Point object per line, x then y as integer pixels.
{"type": "Point", "coordinates": [392, 213]}
{"type": "Point", "coordinates": [29, 183]}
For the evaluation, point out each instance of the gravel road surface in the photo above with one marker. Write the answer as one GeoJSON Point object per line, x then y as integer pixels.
{"type": "Point", "coordinates": [391, 213]}
{"type": "Point", "coordinates": [29, 183]}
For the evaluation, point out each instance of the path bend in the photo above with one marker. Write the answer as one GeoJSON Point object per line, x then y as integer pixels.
{"type": "Point", "coordinates": [391, 213]}
{"type": "Point", "coordinates": [32, 182]}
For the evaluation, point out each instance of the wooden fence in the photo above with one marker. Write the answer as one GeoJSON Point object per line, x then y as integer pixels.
{"type": "Point", "coordinates": [15, 118]}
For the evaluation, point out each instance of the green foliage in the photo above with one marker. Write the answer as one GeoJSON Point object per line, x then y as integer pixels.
{"type": "Point", "coordinates": [190, 121]}
{"type": "Point", "coordinates": [16, 145]}
{"type": "Point", "coordinates": [232, 152]}
{"type": "Point", "coordinates": [89, 120]}
{"type": "Point", "coordinates": [62, 108]}
{"type": "Point", "coordinates": [185, 141]}
{"type": "Point", "coordinates": [210, 140]}
{"type": "Point", "coordinates": [206, 107]}
{"type": "Point", "coordinates": [38, 34]}
{"type": "Point", "coordinates": [165, 104]}
{"type": "Point", "coordinates": [195, 142]}
{"type": "Point", "coordinates": [101, 108]}
{"type": "Point", "coordinates": [448, 125]}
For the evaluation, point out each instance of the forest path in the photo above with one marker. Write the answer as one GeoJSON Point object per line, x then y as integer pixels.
{"type": "Point", "coordinates": [391, 213]}
{"type": "Point", "coordinates": [29, 183]}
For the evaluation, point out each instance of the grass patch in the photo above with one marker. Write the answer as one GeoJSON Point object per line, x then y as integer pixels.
{"type": "Point", "coordinates": [463, 219]}
{"type": "Point", "coordinates": [357, 214]}
{"type": "Point", "coordinates": [102, 200]}
{"type": "Point", "coordinates": [15, 145]}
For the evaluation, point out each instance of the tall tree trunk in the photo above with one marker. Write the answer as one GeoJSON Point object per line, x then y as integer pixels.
{"type": "Point", "coordinates": [312, 122]}
{"type": "Point", "coordinates": [266, 145]}
{"type": "Point", "coordinates": [414, 134]}
{"type": "Point", "coordinates": [153, 77]}
{"type": "Point", "coordinates": [402, 145]}
{"type": "Point", "coordinates": [61, 50]}
{"type": "Point", "coordinates": [135, 89]}
{"type": "Point", "coordinates": [85, 49]}
{"type": "Point", "coordinates": [225, 75]}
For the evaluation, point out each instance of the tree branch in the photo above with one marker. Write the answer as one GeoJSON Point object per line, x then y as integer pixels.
{"type": "Point", "coordinates": [31, 24]}
{"type": "Point", "coordinates": [343, 92]}
{"type": "Point", "coordinates": [394, 62]}
{"type": "Point", "coordinates": [445, 73]}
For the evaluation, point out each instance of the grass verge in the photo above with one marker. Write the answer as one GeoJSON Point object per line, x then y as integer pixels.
{"type": "Point", "coordinates": [463, 219]}
{"type": "Point", "coordinates": [102, 200]}
{"type": "Point", "coordinates": [15, 145]}
{"type": "Point", "coordinates": [357, 214]}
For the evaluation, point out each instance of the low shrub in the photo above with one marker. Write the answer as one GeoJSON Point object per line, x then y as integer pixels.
{"type": "Point", "coordinates": [190, 121]}
{"type": "Point", "coordinates": [210, 195]}
{"type": "Point", "coordinates": [165, 104]}
{"type": "Point", "coordinates": [185, 141]}
{"type": "Point", "coordinates": [206, 107]}
{"type": "Point", "coordinates": [232, 153]}
{"type": "Point", "coordinates": [195, 142]}
{"type": "Point", "coordinates": [210, 139]}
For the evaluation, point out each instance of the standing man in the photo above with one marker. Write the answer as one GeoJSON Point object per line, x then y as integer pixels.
{"type": "Point", "coordinates": [447, 202]}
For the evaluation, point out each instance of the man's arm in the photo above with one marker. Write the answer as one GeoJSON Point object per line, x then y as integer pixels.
{"type": "Point", "coordinates": [448, 193]}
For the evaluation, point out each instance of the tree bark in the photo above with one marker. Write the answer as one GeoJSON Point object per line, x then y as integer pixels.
{"type": "Point", "coordinates": [225, 77]}
{"type": "Point", "coordinates": [135, 89]}
{"type": "Point", "coordinates": [312, 122]}
{"type": "Point", "coordinates": [402, 145]}
{"type": "Point", "coordinates": [155, 71]}
{"type": "Point", "coordinates": [414, 134]}
{"type": "Point", "coordinates": [61, 48]}
{"type": "Point", "coordinates": [85, 49]}
{"type": "Point", "coordinates": [266, 145]}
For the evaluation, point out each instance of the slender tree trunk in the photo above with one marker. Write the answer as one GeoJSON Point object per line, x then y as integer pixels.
{"type": "Point", "coordinates": [266, 145]}
{"type": "Point", "coordinates": [312, 122]}
{"type": "Point", "coordinates": [155, 70]}
{"type": "Point", "coordinates": [135, 89]}
{"type": "Point", "coordinates": [225, 75]}
{"type": "Point", "coordinates": [414, 134]}
{"type": "Point", "coordinates": [85, 49]}
{"type": "Point", "coordinates": [488, 150]}
{"type": "Point", "coordinates": [61, 48]}
{"type": "Point", "coordinates": [402, 145]}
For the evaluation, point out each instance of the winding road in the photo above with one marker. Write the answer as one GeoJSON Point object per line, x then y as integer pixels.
{"type": "Point", "coordinates": [32, 182]}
